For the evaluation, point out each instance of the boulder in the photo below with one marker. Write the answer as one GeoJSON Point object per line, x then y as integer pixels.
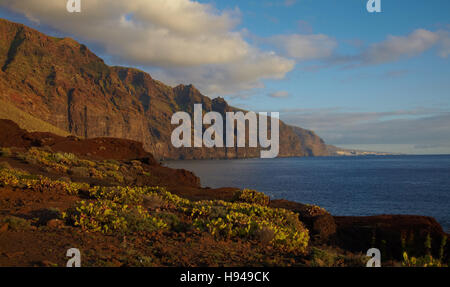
{"type": "Point", "coordinates": [320, 223]}
{"type": "Point", "coordinates": [392, 234]}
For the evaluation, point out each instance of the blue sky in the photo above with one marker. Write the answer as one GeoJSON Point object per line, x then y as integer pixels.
{"type": "Point", "coordinates": [418, 81]}
{"type": "Point", "coordinates": [362, 80]}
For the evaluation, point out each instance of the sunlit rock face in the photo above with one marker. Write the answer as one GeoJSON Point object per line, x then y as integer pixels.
{"type": "Point", "coordinates": [63, 83]}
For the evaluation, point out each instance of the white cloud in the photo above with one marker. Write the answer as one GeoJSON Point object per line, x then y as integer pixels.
{"type": "Point", "coordinates": [396, 47]}
{"type": "Point", "coordinates": [171, 35]}
{"type": "Point", "coordinates": [289, 3]}
{"type": "Point", "coordinates": [421, 126]}
{"type": "Point", "coordinates": [279, 94]}
{"type": "Point", "coordinates": [444, 45]}
{"type": "Point", "coordinates": [231, 78]}
{"type": "Point", "coordinates": [304, 47]}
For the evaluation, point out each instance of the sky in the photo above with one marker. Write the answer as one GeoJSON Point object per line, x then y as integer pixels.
{"type": "Point", "coordinates": [373, 81]}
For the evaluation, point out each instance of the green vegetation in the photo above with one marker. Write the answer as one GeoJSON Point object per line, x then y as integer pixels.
{"type": "Point", "coordinates": [442, 247]}
{"type": "Point", "coordinates": [5, 152]}
{"type": "Point", "coordinates": [251, 196]}
{"type": "Point", "coordinates": [71, 164]}
{"type": "Point", "coordinates": [124, 195]}
{"type": "Point", "coordinates": [127, 209]}
{"type": "Point", "coordinates": [105, 207]}
{"type": "Point", "coordinates": [423, 261]}
{"type": "Point", "coordinates": [16, 223]}
{"type": "Point", "coordinates": [428, 260]}
{"type": "Point", "coordinates": [331, 258]}
{"type": "Point", "coordinates": [23, 180]}
{"type": "Point", "coordinates": [107, 216]}
{"type": "Point", "coordinates": [279, 227]}
{"type": "Point", "coordinates": [314, 210]}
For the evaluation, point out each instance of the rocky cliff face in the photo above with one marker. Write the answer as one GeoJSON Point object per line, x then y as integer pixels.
{"type": "Point", "coordinates": [63, 83]}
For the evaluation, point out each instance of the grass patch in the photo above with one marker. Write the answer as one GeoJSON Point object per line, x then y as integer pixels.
{"type": "Point", "coordinates": [23, 180]}
{"type": "Point", "coordinates": [5, 152]}
{"type": "Point", "coordinates": [16, 223]}
{"type": "Point", "coordinates": [127, 209]}
{"type": "Point", "coordinates": [331, 258]}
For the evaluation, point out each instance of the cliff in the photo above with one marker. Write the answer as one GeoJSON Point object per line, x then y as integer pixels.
{"type": "Point", "coordinates": [64, 84]}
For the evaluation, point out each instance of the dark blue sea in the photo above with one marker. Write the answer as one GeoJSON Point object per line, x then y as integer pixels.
{"type": "Point", "coordinates": [366, 185]}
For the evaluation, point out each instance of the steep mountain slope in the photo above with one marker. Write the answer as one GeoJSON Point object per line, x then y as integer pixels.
{"type": "Point", "coordinates": [27, 121]}
{"type": "Point", "coordinates": [311, 144]}
{"type": "Point", "coordinates": [64, 84]}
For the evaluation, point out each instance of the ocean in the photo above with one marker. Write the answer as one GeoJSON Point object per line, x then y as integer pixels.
{"type": "Point", "coordinates": [361, 185]}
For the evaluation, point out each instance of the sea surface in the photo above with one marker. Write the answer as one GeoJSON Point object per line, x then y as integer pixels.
{"type": "Point", "coordinates": [364, 185]}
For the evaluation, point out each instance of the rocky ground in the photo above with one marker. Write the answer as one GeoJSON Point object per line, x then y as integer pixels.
{"type": "Point", "coordinates": [120, 207]}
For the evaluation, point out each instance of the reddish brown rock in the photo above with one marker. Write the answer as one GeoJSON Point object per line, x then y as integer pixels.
{"type": "Point", "coordinates": [95, 148]}
{"type": "Point", "coordinates": [55, 223]}
{"type": "Point", "coordinates": [46, 263]}
{"type": "Point", "coordinates": [4, 227]}
{"type": "Point", "coordinates": [319, 222]}
{"type": "Point", "coordinates": [63, 83]}
{"type": "Point", "coordinates": [392, 234]}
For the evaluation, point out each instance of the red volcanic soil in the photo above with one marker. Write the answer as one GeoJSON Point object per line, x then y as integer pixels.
{"type": "Point", "coordinates": [178, 181]}
{"type": "Point", "coordinates": [96, 148]}
{"type": "Point", "coordinates": [46, 242]}
{"type": "Point", "coordinates": [392, 234]}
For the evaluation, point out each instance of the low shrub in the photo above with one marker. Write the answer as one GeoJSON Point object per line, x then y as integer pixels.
{"type": "Point", "coordinates": [122, 194]}
{"type": "Point", "coordinates": [55, 161]}
{"type": "Point", "coordinates": [334, 258]}
{"type": "Point", "coordinates": [95, 173]}
{"type": "Point", "coordinates": [5, 165]}
{"type": "Point", "coordinates": [314, 210]}
{"type": "Point", "coordinates": [115, 175]}
{"type": "Point", "coordinates": [16, 223]}
{"type": "Point", "coordinates": [5, 152]}
{"type": "Point", "coordinates": [107, 216]}
{"type": "Point", "coordinates": [173, 222]}
{"type": "Point", "coordinates": [70, 163]}
{"type": "Point", "coordinates": [251, 221]}
{"type": "Point", "coordinates": [18, 179]}
{"type": "Point", "coordinates": [251, 196]}
{"type": "Point", "coordinates": [66, 158]}
{"type": "Point", "coordinates": [80, 171]}
{"type": "Point", "coordinates": [424, 261]}
{"type": "Point", "coordinates": [125, 209]}
{"type": "Point", "coordinates": [86, 163]}
{"type": "Point", "coordinates": [154, 202]}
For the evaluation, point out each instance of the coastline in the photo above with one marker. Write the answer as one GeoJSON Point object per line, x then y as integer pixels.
{"type": "Point", "coordinates": [44, 175]}
{"type": "Point", "coordinates": [313, 188]}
